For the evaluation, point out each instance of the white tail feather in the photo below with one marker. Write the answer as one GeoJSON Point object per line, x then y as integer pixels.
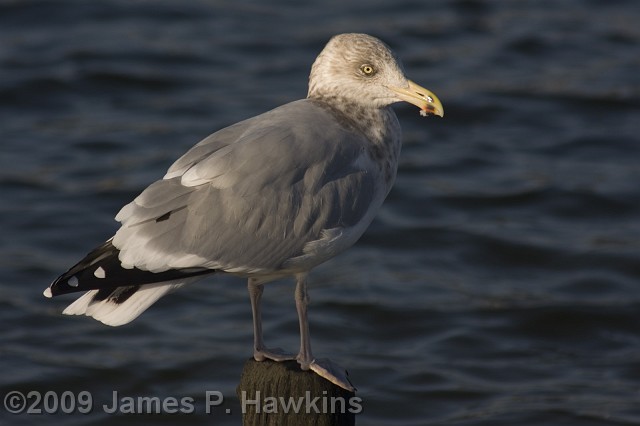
{"type": "Point", "coordinates": [114, 314]}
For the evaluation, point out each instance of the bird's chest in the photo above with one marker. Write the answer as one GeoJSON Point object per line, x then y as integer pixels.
{"type": "Point", "coordinates": [384, 149]}
{"type": "Point", "coordinates": [385, 158]}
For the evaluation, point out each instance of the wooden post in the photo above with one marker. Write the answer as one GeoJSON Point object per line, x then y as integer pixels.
{"type": "Point", "coordinates": [281, 394]}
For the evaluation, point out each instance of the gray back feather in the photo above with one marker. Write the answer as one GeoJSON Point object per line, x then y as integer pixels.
{"type": "Point", "coordinates": [250, 197]}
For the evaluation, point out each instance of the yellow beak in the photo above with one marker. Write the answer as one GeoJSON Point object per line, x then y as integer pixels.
{"type": "Point", "coordinates": [420, 97]}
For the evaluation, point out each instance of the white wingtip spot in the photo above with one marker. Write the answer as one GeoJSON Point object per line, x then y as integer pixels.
{"type": "Point", "coordinates": [73, 281]}
{"type": "Point", "coordinates": [47, 292]}
{"type": "Point", "coordinates": [100, 272]}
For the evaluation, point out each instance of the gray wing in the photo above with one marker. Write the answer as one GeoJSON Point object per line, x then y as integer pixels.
{"type": "Point", "coordinates": [290, 187]}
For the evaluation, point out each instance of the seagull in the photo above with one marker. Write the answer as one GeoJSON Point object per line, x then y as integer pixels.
{"type": "Point", "coordinates": [266, 198]}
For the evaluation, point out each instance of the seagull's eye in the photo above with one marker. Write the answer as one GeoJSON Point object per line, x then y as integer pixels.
{"type": "Point", "coordinates": [367, 70]}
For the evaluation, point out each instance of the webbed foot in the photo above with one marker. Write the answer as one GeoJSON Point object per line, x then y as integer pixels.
{"type": "Point", "coordinates": [331, 371]}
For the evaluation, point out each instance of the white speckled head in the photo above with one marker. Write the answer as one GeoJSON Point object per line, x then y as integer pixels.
{"type": "Point", "coordinates": [356, 67]}
{"type": "Point", "coordinates": [360, 69]}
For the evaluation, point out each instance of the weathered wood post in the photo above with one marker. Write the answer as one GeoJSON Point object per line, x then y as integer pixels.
{"type": "Point", "coordinates": [281, 394]}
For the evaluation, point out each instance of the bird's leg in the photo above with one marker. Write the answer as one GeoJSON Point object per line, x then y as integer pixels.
{"type": "Point", "coordinates": [260, 351]}
{"type": "Point", "coordinates": [323, 367]}
{"type": "Point", "coordinates": [305, 357]}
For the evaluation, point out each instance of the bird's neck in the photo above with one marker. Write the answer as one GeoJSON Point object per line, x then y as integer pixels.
{"type": "Point", "coordinates": [379, 125]}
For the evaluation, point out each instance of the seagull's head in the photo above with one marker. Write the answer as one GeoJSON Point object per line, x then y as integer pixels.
{"type": "Point", "coordinates": [362, 70]}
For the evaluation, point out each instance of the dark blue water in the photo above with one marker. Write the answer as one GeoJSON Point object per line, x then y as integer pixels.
{"type": "Point", "coordinates": [499, 285]}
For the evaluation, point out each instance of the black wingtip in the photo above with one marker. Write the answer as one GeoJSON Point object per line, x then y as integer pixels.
{"type": "Point", "coordinates": [101, 269]}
